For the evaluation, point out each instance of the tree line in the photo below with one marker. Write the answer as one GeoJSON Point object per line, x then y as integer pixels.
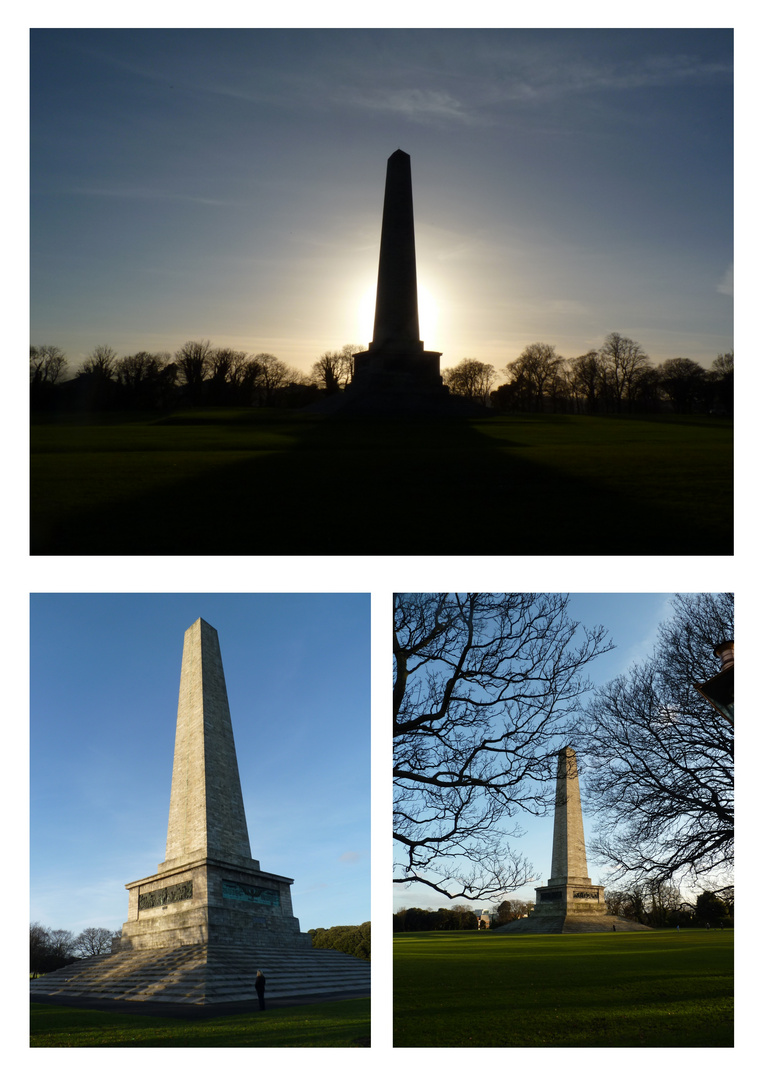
{"type": "Point", "coordinates": [617, 377]}
{"type": "Point", "coordinates": [658, 904]}
{"type": "Point", "coordinates": [51, 949]}
{"type": "Point", "coordinates": [195, 374]}
{"type": "Point", "coordinates": [353, 940]}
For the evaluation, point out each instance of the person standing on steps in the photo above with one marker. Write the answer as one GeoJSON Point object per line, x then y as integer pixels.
{"type": "Point", "coordinates": [260, 987]}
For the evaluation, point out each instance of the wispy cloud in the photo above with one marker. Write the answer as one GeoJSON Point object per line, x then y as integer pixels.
{"type": "Point", "coordinates": [725, 286]}
{"type": "Point", "coordinates": [147, 194]}
{"type": "Point", "coordinates": [535, 76]}
{"type": "Point", "coordinates": [350, 857]}
{"type": "Point", "coordinates": [422, 106]}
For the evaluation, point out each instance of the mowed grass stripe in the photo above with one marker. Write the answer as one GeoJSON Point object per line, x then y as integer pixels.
{"type": "Point", "coordinates": [668, 988]}
{"type": "Point", "coordinates": [337, 1023]}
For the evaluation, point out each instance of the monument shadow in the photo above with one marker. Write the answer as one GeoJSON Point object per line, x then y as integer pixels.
{"type": "Point", "coordinates": [375, 486]}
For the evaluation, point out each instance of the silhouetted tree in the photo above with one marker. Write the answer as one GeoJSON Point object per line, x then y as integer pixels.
{"type": "Point", "coordinates": [49, 949]}
{"type": "Point", "coordinates": [100, 362]}
{"type": "Point", "coordinates": [47, 364]}
{"type": "Point", "coordinates": [470, 379]}
{"type": "Point", "coordinates": [535, 372]}
{"type": "Point", "coordinates": [146, 380]}
{"type": "Point", "coordinates": [714, 908]}
{"type": "Point", "coordinates": [334, 370]}
{"type": "Point", "coordinates": [659, 756]}
{"type": "Point", "coordinates": [683, 381]}
{"type": "Point", "coordinates": [193, 360]}
{"type": "Point", "coordinates": [587, 379]}
{"type": "Point", "coordinates": [723, 382]}
{"type": "Point", "coordinates": [272, 375]}
{"type": "Point", "coordinates": [622, 361]}
{"type": "Point", "coordinates": [483, 688]}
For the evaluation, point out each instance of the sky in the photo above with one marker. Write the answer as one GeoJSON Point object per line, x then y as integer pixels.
{"type": "Point", "coordinates": [632, 621]}
{"type": "Point", "coordinates": [105, 673]}
{"type": "Point", "coordinates": [228, 185]}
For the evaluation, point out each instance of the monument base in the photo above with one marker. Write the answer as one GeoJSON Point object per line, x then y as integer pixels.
{"type": "Point", "coordinates": [201, 975]}
{"type": "Point", "coordinates": [398, 381]}
{"type": "Point", "coordinates": [210, 901]}
{"type": "Point", "coordinates": [576, 897]}
{"type": "Point", "coordinates": [538, 923]}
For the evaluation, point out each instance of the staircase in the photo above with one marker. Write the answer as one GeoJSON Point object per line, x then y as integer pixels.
{"type": "Point", "coordinates": [207, 975]}
{"type": "Point", "coordinates": [570, 924]}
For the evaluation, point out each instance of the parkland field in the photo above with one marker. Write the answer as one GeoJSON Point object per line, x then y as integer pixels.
{"type": "Point", "coordinates": [665, 988]}
{"type": "Point", "coordinates": [334, 1023]}
{"type": "Point", "coordinates": [265, 482]}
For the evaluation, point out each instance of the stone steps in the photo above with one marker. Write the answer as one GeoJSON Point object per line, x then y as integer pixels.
{"type": "Point", "coordinates": [207, 974]}
{"type": "Point", "coordinates": [570, 924]}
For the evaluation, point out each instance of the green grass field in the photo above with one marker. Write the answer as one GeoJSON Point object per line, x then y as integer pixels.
{"type": "Point", "coordinates": [236, 482]}
{"type": "Point", "coordinates": [666, 988]}
{"type": "Point", "coordinates": [335, 1023]}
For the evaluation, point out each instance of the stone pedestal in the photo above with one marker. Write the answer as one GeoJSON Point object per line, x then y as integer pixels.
{"type": "Point", "coordinates": [211, 901]}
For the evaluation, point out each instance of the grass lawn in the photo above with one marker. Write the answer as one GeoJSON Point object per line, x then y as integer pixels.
{"type": "Point", "coordinates": [666, 988]}
{"type": "Point", "coordinates": [335, 1023]}
{"type": "Point", "coordinates": [228, 482]}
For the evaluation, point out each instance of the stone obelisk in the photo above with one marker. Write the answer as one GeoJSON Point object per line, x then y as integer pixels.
{"type": "Point", "coordinates": [209, 888]}
{"type": "Point", "coordinates": [206, 807]}
{"type": "Point", "coordinates": [569, 903]}
{"type": "Point", "coordinates": [569, 889]}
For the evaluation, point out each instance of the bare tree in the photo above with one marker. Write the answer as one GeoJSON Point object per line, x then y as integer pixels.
{"type": "Point", "coordinates": [471, 379]}
{"type": "Point", "coordinates": [272, 374]}
{"type": "Point", "coordinates": [483, 687]}
{"type": "Point", "coordinates": [623, 361]}
{"type": "Point", "coordinates": [100, 362]}
{"type": "Point", "coordinates": [659, 756]}
{"type": "Point", "coordinates": [586, 378]}
{"type": "Point", "coordinates": [94, 941]}
{"type": "Point", "coordinates": [47, 364]}
{"type": "Point", "coordinates": [536, 369]}
{"type": "Point", "coordinates": [335, 369]}
{"type": "Point", "coordinates": [193, 360]}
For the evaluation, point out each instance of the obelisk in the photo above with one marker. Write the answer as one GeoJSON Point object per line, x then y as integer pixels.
{"type": "Point", "coordinates": [206, 807]}
{"type": "Point", "coordinates": [569, 890]}
{"type": "Point", "coordinates": [396, 316]}
{"type": "Point", "coordinates": [209, 889]}
{"type": "Point", "coordinates": [396, 372]}
{"type": "Point", "coordinates": [568, 846]}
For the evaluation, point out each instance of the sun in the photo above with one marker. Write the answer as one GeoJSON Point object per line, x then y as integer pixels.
{"type": "Point", "coordinates": [428, 315]}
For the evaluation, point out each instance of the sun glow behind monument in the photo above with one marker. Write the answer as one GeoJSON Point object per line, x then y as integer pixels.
{"type": "Point", "coordinates": [428, 313]}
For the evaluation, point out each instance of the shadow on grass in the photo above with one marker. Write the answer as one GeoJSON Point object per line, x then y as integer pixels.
{"type": "Point", "coordinates": [359, 487]}
{"type": "Point", "coordinates": [343, 1023]}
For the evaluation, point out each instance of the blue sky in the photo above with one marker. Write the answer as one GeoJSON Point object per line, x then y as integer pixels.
{"type": "Point", "coordinates": [105, 672]}
{"type": "Point", "coordinates": [228, 185]}
{"type": "Point", "coordinates": [632, 621]}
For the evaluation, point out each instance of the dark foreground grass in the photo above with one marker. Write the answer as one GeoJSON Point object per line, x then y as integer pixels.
{"type": "Point", "coordinates": [667, 988]}
{"type": "Point", "coordinates": [335, 1023]}
{"type": "Point", "coordinates": [230, 482]}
